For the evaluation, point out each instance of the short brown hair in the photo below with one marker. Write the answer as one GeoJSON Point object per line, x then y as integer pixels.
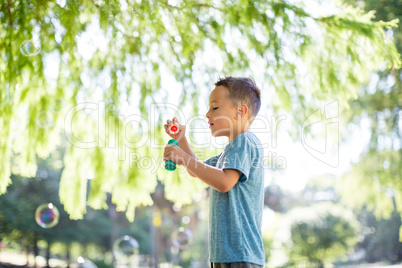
{"type": "Point", "coordinates": [243, 90]}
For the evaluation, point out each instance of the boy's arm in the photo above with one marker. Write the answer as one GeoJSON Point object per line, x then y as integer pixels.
{"type": "Point", "coordinates": [185, 146]}
{"type": "Point", "coordinates": [221, 180]}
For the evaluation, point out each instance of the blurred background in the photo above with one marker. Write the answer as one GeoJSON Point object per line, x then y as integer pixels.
{"type": "Point", "coordinates": [86, 86]}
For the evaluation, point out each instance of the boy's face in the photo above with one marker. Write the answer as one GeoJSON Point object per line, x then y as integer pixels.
{"type": "Point", "coordinates": [222, 114]}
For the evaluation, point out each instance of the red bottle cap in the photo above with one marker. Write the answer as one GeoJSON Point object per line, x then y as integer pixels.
{"type": "Point", "coordinates": [174, 128]}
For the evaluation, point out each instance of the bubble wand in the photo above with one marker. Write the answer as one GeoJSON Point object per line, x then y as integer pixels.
{"type": "Point", "coordinates": [169, 164]}
{"type": "Point", "coordinates": [174, 130]}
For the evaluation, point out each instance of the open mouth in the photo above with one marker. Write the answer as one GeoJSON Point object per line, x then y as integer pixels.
{"type": "Point", "coordinates": [210, 124]}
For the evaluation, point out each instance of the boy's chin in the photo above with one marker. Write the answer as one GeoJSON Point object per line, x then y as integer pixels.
{"type": "Point", "coordinates": [217, 134]}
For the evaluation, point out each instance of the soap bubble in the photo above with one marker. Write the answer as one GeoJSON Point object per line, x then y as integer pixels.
{"type": "Point", "coordinates": [90, 175]}
{"type": "Point", "coordinates": [125, 247]}
{"type": "Point", "coordinates": [181, 238]}
{"type": "Point", "coordinates": [185, 220]}
{"type": "Point", "coordinates": [176, 207]}
{"type": "Point", "coordinates": [111, 106]}
{"type": "Point", "coordinates": [29, 48]}
{"type": "Point", "coordinates": [42, 174]}
{"type": "Point", "coordinates": [57, 105]}
{"type": "Point", "coordinates": [47, 215]}
{"type": "Point", "coordinates": [44, 119]}
{"type": "Point", "coordinates": [83, 263]}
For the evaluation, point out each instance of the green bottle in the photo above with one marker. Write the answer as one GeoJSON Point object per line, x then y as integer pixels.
{"type": "Point", "coordinates": [170, 165]}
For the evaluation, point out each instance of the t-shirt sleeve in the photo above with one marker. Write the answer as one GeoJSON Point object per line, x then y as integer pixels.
{"type": "Point", "coordinates": [240, 157]}
{"type": "Point", "coordinates": [212, 161]}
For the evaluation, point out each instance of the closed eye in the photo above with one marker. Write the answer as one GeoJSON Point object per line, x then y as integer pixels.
{"type": "Point", "coordinates": [215, 108]}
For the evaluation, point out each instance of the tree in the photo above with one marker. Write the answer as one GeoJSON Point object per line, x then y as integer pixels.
{"type": "Point", "coordinates": [378, 238]}
{"type": "Point", "coordinates": [71, 67]}
{"type": "Point", "coordinates": [321, 233]}
{"type": "Point", "coordinates": [17, 217]}
{"type": "Point", "coordinates": [377, 174]}
{"type": "Point", "coordinates": [380, 242]}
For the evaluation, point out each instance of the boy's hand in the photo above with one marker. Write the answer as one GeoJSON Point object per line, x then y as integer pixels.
{"type": "Point", "coordinates": [181, 131]}
{"type": "Point", "coordinates": [174, 153]}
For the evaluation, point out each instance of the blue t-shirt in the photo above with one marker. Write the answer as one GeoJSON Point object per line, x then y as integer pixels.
{"type": "Point", "coordinates": [235, 217]}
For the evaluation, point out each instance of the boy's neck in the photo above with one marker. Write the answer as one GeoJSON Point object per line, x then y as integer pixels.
{"type": "Point", "coordinates": [235, 133]}
{"type": "Point", "coordinates": [240, 127]}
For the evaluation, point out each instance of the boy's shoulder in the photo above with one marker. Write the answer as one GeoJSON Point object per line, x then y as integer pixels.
{"type": "Point", "coordinates": [245, 139]}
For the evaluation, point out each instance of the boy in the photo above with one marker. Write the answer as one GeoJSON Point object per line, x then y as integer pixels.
{"type": "Point", "coordinates": [236, 175]}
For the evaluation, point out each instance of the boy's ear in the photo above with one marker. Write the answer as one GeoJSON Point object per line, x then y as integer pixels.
{"type": "Point", "coordinates": [242, 110]}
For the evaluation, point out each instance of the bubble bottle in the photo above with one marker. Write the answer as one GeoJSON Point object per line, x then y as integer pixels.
{"type": "Point", "coordinates": [170, 165]}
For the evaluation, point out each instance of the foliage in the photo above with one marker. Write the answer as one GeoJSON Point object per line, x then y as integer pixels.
{"type": "Point", "coordinates": [101, 264]}
{"type": "Point", "coordinates": [321, 233]}
{"type": "Point", "coordinates": [94, 235]}
{"type": "Point", "coordinates": [274, 198]}
{"type": "Point", "coordinates": [77, 68]}
{"type": "Point", "coordinates": [321, 188]}
{"type": "Point", "coordinates": [18, 226]}
{"type": "Point", "coordinates": [17, 217]}
{"type": "Point", "coordinates": [380, 237]}
{"type": "Point", "coordinates": [268, 242]}
{"type": "Point", "coordinates": [377, 175]}
{"type": "Point", "coordinates": [377, 190]}
{"type": "Point", "coordinates": [377, 238]}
